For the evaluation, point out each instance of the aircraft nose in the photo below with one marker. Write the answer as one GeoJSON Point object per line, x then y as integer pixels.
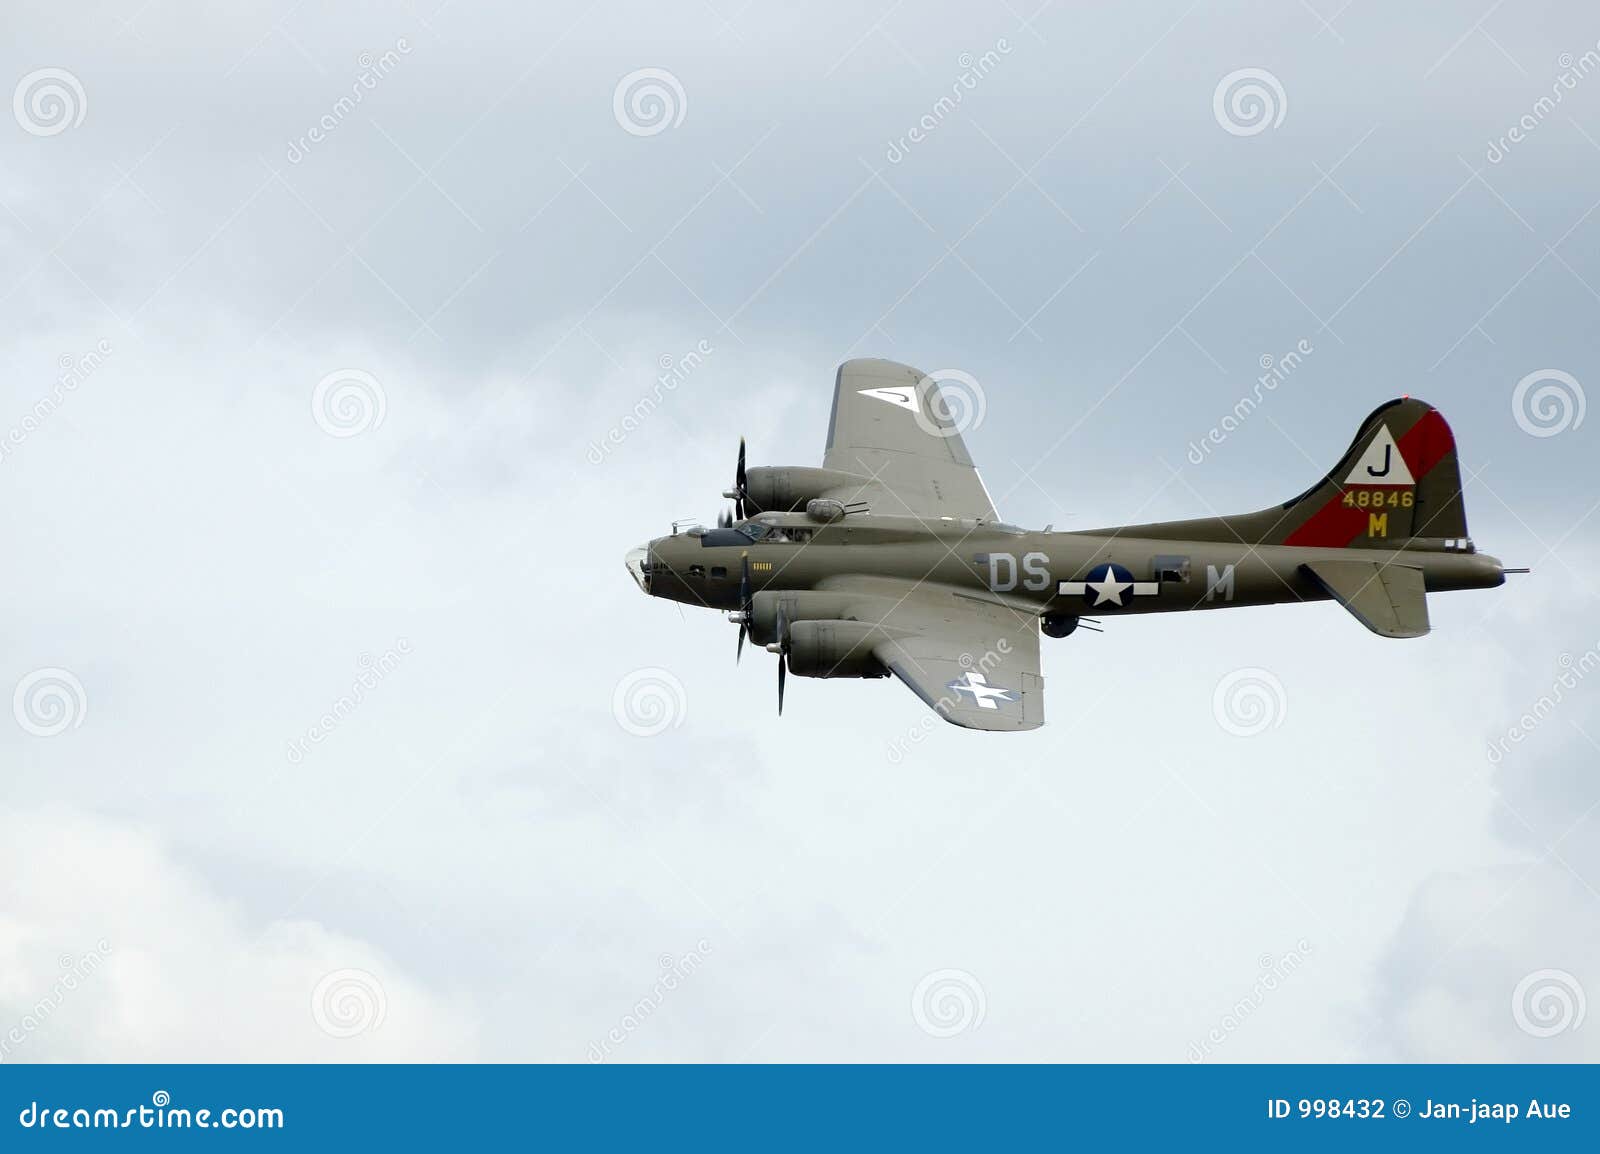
{"type": "Point", "coordinates": [635, 561]}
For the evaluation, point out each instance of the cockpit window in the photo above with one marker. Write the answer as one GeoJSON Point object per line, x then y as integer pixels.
{"type": "Point", "coordinates": [751, 532]}
{"type": "Point", "coordinates": [772, 534]}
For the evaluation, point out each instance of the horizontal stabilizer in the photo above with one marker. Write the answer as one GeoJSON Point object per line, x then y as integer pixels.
{"type": "Point", "coordinates": [1390, 600]}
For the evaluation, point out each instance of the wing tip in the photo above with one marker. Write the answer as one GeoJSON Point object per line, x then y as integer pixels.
{"type": "Point", "coordinates": [985, 722]}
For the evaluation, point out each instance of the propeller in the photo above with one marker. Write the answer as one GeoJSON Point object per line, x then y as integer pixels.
{"type": "Point", "coordinates": [743, 615]}
{"type": "Point", "coordinates": [725, 519]}
{"type": "Point", "coordinates": [781, 648]}
{"type": "Point", "coordinates": [740, 493]}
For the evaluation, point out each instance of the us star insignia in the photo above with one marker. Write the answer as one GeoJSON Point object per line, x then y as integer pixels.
{"type": "Point", "coordinates": [1109, 585]}
{"type": "Point", "coordinates": [982, 692]}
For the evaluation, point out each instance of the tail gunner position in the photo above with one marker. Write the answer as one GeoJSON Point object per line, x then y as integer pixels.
{"type": "Point", "coordinates": [890, 558]}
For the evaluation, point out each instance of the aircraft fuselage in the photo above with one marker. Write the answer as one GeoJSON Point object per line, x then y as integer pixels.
{"type": "Point", "coordinates": [1071, 573]}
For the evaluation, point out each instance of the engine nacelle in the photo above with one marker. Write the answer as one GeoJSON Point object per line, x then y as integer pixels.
{"type": "Point", "coordinates": [796, 605]}
{"type": "Point", "coordinates": [834, 649]}
{"type": "Point", "coordinates": [788, 488]}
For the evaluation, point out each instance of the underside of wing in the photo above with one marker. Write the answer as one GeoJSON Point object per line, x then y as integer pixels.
{"type": "Point", "coordinates": [974, 662]}
{"type": "Point", "coordinates": [892, 425]}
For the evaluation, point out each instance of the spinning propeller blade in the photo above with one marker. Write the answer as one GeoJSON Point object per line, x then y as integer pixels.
{"type": "Point", "coordinates": [782, 648]}
{"type": "Point", "coordinates": [741, 482]}
{"type": "Point", "coordinates": [744, 604]}
{"type": "Point", "coordinates": [740, 493]}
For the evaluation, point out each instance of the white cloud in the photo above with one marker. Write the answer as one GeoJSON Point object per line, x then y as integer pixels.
{"type": "Point", "coordinates": [1494, 966]}
{"type": "Point", "coordinates": [478, 833]}
{"type": "Point", "coordinates": [180, 972]}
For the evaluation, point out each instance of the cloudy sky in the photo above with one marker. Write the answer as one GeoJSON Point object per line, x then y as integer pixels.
{"type": "Point", "coordinates": [317, 327]}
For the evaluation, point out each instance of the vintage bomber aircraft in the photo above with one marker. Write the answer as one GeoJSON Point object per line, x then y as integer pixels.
{"type": "Point", "coordinates": [890, 558]}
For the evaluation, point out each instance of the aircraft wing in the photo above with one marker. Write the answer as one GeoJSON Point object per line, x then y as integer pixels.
{"type": "Point", "coordinates": [889, 424]}
{"type": "Point", "coordinates": [974, 662]}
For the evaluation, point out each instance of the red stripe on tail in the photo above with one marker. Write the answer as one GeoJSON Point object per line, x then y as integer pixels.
{"type": "Point", "coordinates": [1337, 525]}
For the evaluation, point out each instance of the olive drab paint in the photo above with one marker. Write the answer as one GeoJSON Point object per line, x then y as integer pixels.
{"type": "Point", "coordinates": [891, 560]}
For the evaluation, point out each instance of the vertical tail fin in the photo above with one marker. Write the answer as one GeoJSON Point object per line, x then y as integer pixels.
{"type": "Point", "coordinates": [1399, 480]}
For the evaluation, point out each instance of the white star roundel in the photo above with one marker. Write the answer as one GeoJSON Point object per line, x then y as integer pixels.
{"type": "Point", "coordinates": [1109, 586]}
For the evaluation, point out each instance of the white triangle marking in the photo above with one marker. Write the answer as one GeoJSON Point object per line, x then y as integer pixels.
{"type": "Point", "coordinates": [1381, 464]}
{"type": "Point", "coordinates": [904, 396]}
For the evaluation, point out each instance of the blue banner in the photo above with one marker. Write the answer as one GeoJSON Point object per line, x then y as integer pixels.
{"type": "Point", "coordinates": [1288, 1108]}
